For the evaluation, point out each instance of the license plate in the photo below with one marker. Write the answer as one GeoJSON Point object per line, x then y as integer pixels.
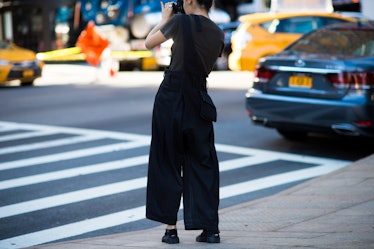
{"type": "Point", "coordinates": [300, 81]}
{"type": "Point", "coordinates": [28, 73]}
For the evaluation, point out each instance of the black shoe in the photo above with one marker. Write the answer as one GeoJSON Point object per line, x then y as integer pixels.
{"type": "Point", "coordinates": [170, 237]}
{"type": "Point", "coordinates": [209, 236]}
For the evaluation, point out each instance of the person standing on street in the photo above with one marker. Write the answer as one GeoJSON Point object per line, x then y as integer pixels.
{"type": "Point", "coordinates": [183, 158]}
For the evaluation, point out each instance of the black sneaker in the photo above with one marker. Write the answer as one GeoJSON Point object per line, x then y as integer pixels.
{"type": "Point", "coordinates": [209, 236]}
{"type": "Point", "coordinates": [170, 237]}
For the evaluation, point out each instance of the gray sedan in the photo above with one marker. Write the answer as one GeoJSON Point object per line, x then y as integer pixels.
{"type": "Point", "coordinates": [323, 82]}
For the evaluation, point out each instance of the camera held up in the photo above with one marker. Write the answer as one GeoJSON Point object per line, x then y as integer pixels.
{"type": "Point", "coordinates": [178, 7]}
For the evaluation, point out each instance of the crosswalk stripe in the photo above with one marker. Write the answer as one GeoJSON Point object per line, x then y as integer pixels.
{"type": "Point", "coordinates": [71, 155]}
{"type": "Point", "coordinates": [280, 155]}
{"type": "Point", "coordinates": [275, 180]}
{"type": "Point", "coordinates": [78, 131]}
{"type": "Point", "coordinates": [90, 193]}
{"type": "Point", "coordinates": [73, 229]}
{"type": "Point", "coordinates": [113, 165]}
{"type": "Point", "coordinates": [79, 171]}
{"type": "Point", "coordinates": [72, 197]}
{"type": "Point", "coordinates": [25, 135]}
{"type": "Point", "coordinates": [245, 157]}
{"type": "Point", "coordinates": [120, 218]}
{"type": "Point", "coordinates": [48, 144]}
{"type": "Point", "coordinates": [243, 162]}
{"type": "Point", "coordinates": [6, 128]}
{"type": "Point", "coordinates": [115, 188]}
{"type": "Point", "coordinates": [96, 168]}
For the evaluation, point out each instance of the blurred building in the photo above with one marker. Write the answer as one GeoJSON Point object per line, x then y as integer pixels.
{"type": "Point", "coordinates": [44, 25]}
{"type": "Point", "coordinates": [39, 25]}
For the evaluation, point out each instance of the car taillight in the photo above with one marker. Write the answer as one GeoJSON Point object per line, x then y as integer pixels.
{"type": "Point", "coordinates": [364, 123]}
{"type": "Point", "coordinates": [263, 74]}
{"type": "Point", "coordinates": [355, 80]}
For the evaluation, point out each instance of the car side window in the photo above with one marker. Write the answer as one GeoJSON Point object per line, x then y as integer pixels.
{"type": "Point", "coordinates": [271, 26]}
{"type": "Point", "coordinates": [298, 25]}
{"type": "Point", "coordinates": [303, 25]}
{"type": "Point", "coordinates": [323, 21]}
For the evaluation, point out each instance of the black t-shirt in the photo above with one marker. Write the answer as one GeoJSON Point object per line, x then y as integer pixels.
{"type": "Point", "coordinates": [208, 42]}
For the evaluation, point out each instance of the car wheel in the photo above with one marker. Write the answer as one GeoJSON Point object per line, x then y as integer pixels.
{"type": "Point", "coordinates": [292, 135]}
{"type": "Point", "coordinates": [27, 83]}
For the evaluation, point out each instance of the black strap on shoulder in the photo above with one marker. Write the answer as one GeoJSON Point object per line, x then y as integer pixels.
{"type": "Point", "coordinates": [197, 20]}
{"type": "Point", "coordinates": [190, 52]}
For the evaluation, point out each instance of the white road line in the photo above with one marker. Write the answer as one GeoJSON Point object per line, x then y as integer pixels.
{"type": "Point", "coordinates": [73, 229]}
{"type": "Point", "coordinates": [251, 157]}
{"type": "Point", "coordinates": [49, 144]}
{"type": "Point", "coordinates": [135, 214]}
{"type": "Point", "coordinates": [89, 193]}
{"type": "Point", "coordinates": [120, 164]}
{"type": "Point", "coordinates": [275, 180]}
{"type": "Point", "coordinates": [24, 135]}
{"type": "Point", "coordinates": [244, 162]}
{"type": "Point", "coordinates": [72, 197]}
{"type": "Point", "coordinates": [7, 128]}
{"type": "Point", "coordinates": [115, 188]}
{"type": "Point", "coordinates": [71, 155]}
{"type": "Point", "coordinates": [79, 131]}
{"type": "Point", "coordinates": [62, 174]}
{"type": "Point", "coordinates": [146, 140]}
{"type": "Point", "coordinates": [279, 155]}
{"type": "Point", "coordinates": [123, 146]}
{"type": "Point", "coordinates": [113, 165]}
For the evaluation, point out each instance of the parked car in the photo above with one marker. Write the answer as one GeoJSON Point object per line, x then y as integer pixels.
{"type": "Point", "coordinates": [18, 63]}
{"type": "Point", "coordinates": [322, 83]}
{"type": "Point", "coordinates": [263, 34]}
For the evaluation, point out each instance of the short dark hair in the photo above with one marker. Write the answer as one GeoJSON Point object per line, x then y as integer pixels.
{"type": "Point", "coordinates": [207, 4]}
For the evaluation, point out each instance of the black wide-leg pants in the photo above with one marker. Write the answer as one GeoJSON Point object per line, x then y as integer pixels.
{"type": "Point", "coordinates": [183, 159]}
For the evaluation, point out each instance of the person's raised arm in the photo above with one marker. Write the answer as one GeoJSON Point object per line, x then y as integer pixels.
{"type": "Point", "coordinates": [155, 37]}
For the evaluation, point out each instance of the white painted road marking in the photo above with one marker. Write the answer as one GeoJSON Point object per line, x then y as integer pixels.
{"type": "Point", "coordinates": [135, 214]}
{"type": "Point", "coordinates": [25, 135]}
{"type": "Point", "coordinates": [49, 144]}
{"type": "Point", "coordinates": [79, 171]}
{"type": "Point", "coordinates": [70, 155]}
{"type": "Point", "coordinates": [124, 186]}
{"type": "Point", "coordinates": [246, 157]}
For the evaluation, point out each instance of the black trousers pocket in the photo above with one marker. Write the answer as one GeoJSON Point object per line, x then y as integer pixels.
{"type": "Point", "coordinates": [208, 110]}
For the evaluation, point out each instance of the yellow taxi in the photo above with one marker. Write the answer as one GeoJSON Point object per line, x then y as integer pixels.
{"type": "Point", "coordinates": [263, 34]}
{"type": "Point", "coordinates": [18, 63]}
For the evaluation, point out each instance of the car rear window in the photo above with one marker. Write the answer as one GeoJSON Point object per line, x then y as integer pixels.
{"type": "Point", "coordinates": [346, 42]}
{"type": "Point", "coordinates": [299, 24]}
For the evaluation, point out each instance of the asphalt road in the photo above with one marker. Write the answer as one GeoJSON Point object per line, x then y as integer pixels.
{"type": "Point", "coordinates": [73, 153]}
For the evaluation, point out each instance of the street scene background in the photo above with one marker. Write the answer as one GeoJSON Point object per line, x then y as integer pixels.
{"type": "Point", "coordinates": [74, 145]}
{"type": "Point", "coordinates": [74, 151]}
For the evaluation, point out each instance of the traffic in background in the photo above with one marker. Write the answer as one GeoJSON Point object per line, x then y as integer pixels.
{"type": "Point", "coordinates": [52, 28]}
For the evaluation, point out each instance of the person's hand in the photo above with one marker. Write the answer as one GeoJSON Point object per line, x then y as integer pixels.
{"type": "Point", "coordinates": [155, 37]}
{"type": "Point", "coordinates": [167, 10]}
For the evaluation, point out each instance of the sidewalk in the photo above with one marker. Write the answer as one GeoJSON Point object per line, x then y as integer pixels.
{"type": "Point", "coordinates": [55, 74]}
{"type": "Point", "coordinates": [335, 211]}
